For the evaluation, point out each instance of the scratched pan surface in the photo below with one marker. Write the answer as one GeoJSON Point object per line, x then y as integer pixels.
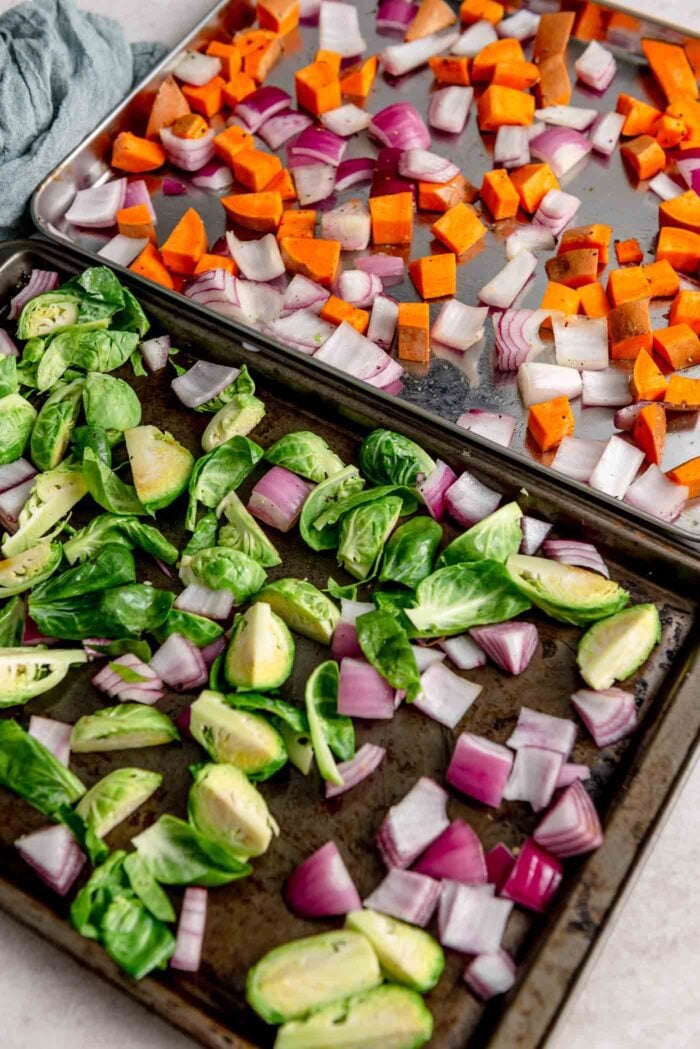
{"type": "Point", "coordinates": [452, 382]}
{"type": "Point", "coordinates": [630, 781]}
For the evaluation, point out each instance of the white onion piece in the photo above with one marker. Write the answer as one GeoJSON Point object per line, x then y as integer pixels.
{"type": "Point", "coordinates": [304, 294]}
{"type": "Point", "coordinates": [463, 651]}
{"type": "Point", "coordinates": [383, 321]}
{"type": "Point", "coordinates": [608, 715]}
{"type": "Point", "coordinates": [54, 854]}
{"type": "Point", "coordinates": [54, 735]}
{"type": "Point", "coordinates": [534, 534]}
{"type": "Point", "coordinates": [179, 664]}
{"type": "Point", "coordinates": [445, 696]}
{"type": "Point", "coordinates": [532, 238]}
{"type": "Point", "coordinates": [605, 389]}
{"type": "Point", "coordinates": [97, 207]}
{"type": "Point", "coordinates": [567, 116]}
{"type": "Point", "coordinates": [475, 921]}
{"type": "Point", "coordinates": [616, 468]}
{"type": "Point", "coordinates": [204, 381]}
{"type": "Point", "coordinates": [577, 457]}
{"type": "Point", "coordinates": [402, 58]}
{"type": "Point", "coordinates": [574, 552]}
{"type": "Point", "coordinates": [581, 342]}
{"type": "Point", "coordinates": [259, 300]}
{"type": "Point", "coordinates": [535, 729]}
{"type": "Point", "coordinates": [517, 337]}
{"type": "Point", "coordinates": [11, 503]}
{"type": "Point", "coordinates": [406, 895]}
{"type": "Point", "coordinates": [339, 29]}
{"type": "Point", "coordinates": [389, 268]}
{"type": "Point", "coordinates": [350, 224]}
{"type": "Point", "coordinates": [469, 501]}
{"type": "Point", "coordinates": [475, 39]}
{"type": "Point", "coordinates": [491, 425]}
{"type": "Point", "coordinates": [656, 494]}
{"type": "Point", "coordinates": [535, 129]}
{"type": "Point", "coordinates": [304, 330]}
{"type": "Point", "coordinates": [570, 772]}
{"type": "Point", "coordinates": [512, 147]}
{"type": "Point", "coordinates": [197, 68]}
{"type": "Point", "coordinates": [534, 776]}
{"type": "Point", "coordinates": [425, 657]}
{"type": "Point", "coordinates": [214, 175]}
{"type": "Point", "coordinates": [605, 133]}
{"type": "Point", "coordinates": [217, 289]}
{"type": "Point", "coordinates": [413, 823]}
{"type": "Point", "coordinates": [346, 120]}
{"type": "Point", "coordinates": [188, 154]}
{"type": "Point", "coordinates": [424, 166]}
{"type": "Point", "coordinates": [665, 187]}
{"type": "Point", "coordinates": [366, 760]}
{"type": "Point", "coordinates": [352, 353]}
{"type": "Point", "coordinates": [313, 182]}
{"type": "Point", "coordinates": [459, 326]}
{"type": "Point", "coordinates": [358, 288]}
{"type": "Point", "coordinates": [560, 147]}
{"type": "Point", "coordinates": [596, 67]}
{"type": "Point", "coordinates": [386, 379]}
{"type": "Point", "coordinates": [448, 108]}
{"type": "Point", "coordinates": [556, 210]}
{"type": "Point", "coordinates": [491, 974]}
{"type": "Point", "coordinates": [256, 259]}
{"type": "Point", "coordinates": [122, 250]}
{"type": "Point", "coordinates": [539, 382]}
{"type": "Point", "coordinates": [190, 931]}
{"type": "Point", "coordinates": [503, 289]}
{"type": "Point", "coordinates": [201, 601]}
{"type": "Point", "coordinates": [7, 345]}
{"type": "Point", "coordinates": [520, 26]}
{"type": "Point", "coordinates": [15, 473]}
{"type": "Point", "coordinates": [260, 105]}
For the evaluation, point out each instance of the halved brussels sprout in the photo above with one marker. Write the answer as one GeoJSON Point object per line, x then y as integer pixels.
{"type": "Point", "coordinates": [406, 954]}
{"type": "Point", "coordinates": [410, 552]}
{"type": "Point", "coordinates": [612, 649]}
{"type": "Point", "coordinates": [493, 538]}
{"type": "Point", "coordinates": [260, 655]}
{"type": "Point", "coordinates": [227, 809]}
{"type": "Point", "coordinates": [121, 728]}
{"type": "Point", "coordinates": [390, 458]}
{"type": "Point", "coordinates": [115, 797]}
{"type": "Point", "coordinates": [29, 568]}
{"type": "Point", "coordinates": [570, 594]}
{"type": "Point", "coordinates": [306, 454]}
{"type": "Point", "coordinates": [176, 853]}
{"type": "Point", "coordinates": [16, 420]}
{"type": "Point", "coordinates": [53, 427]}
{"type": "Point", "coordinates": [364, 532]}
{"type": "Point", "coordinates": [237, 418]}
{"type": "Point", "coordinates": [110, 403]}
{"type": "Point", "coordinates": [47, 313]}
{"type": "Point", "coordinates": [220, 568]}
{"type": "Point", "coordinates": [54, 495]}
{"type": "Point", "coordinates": [237, 737]}
{"type": "Point", "coordinates": [244, 533]}
{"type": "Point", "coordinates": [303, 607]}
{"type": "Point", "coordinates": [28, 672]}
{"type": "Point", "coordinates": [160, 466]}
{"type": "Point", "coordinates": [329, 492]}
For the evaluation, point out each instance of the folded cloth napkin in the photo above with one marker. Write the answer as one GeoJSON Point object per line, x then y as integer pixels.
{"type": "Point", "coordinates": [61, 71]}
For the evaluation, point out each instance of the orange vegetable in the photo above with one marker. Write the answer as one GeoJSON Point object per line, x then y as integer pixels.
{"type": "Point", "coordinates": [554, 86]}
{"type": "Point", "coordinates": [628, 251]}
{"type": "Point", "coordinates": [311, 257]}
{"type": "Point", "coordinates": [640, 117]}
{"type": "Point", "coordinates": [186, 244]}
{"type": "Point", "coordinates": [533, 182]}
{"type": "Point", "coordinates": [434, 196]}
{"type": "Point", "coordinates": [257, 211]}
{"type": "Point", "coordinates": [596, 236]}
{"type": "Point", "coordinates": [553, 34]}
{"type": "Point", "coordinates": [136, 222]}
{"type": "Point", "coordinates": [550, 422]}
{"type": "Point", "coordinates": [231, 58]}
{"type": "Point", "coordinates": [450, 69]}
{"type": "Point", "coordinates": [283, 184]}
{"type": "Point", "coordinates": [682, 391]}
{"type": "Point", "coordinates": [150, 264]}
{"type": "Point", "coordinates": [594, 301]}
{"type": "Point", "coordinates": [648, 382]}
{"type": "Point", "coordinates": [681, 247]}
{"type": "Point", "coordinates": [392, 218]}
{"type": "Point", "coordinates": [627, 285]}
{"type": "Point", "coordinates": [504, 105]}
{"type": "Point", "coordinates": [644, 156]}
{"type": "Point", "coordinates": [281, 16]}
{"type": "Point", "coordinates": [414, 331]}
{"type": "Point", "coordinates": [296, 223]}
{"type": "Point", "coordinates": [662, 278]}
{"type": "Point", "coordinates": [207, 99]}
{"type": "Point", "coordinates": [692, 50]}
{"type": "Point", "coordinates": [336, 310]}
{"type": "Point", "coordinates": [190, 127]}
{"type": "Point", "coordinates": [358, 81]}
{"type": "Point", "coordinates": [431, 17]}
{"type": "Point", "coordinates": [481, 11]}
{"type": "Point", "coordinates": [229, 143]}
{"type": "Point", "coordinates": [671, 69]}
{"type": "Point", "coordinates": [520, 75]}
{"type": "Point", "coordinates": [629, 330]}
{"type": "Point", "coordinates": [687, 475]}
{"type": "Point", "coordinates": [458, 229]}
{"type": "Point", "coordinates": [683, 211]}
{"type": "Point", "coordinates": [317, 88]}
{"type": "Point", "coordinates": [215, 262]}
{"type": "Point", "coordinates": [687, 110]}
{"type": "Point", "coordinates": [168, 106]}
{"type": "Point", "coordinates": [249, 40]}
{"type": "Point", "coordinates": [668, 131]}
{"type": "Point", "coordinates": [678, 345]}
{"type": "Point", "coordinates": [574, 268]}
{"type": "Point", "coordinates": [485, 62]}
{"type": "Point", "coordinates": [561, 299]}
{"type": "Point", "coordinates": [685, 309]}
{"type": "Point", "coordinates": [238, 88]}
{"type": "Point", "coordinates": [258, 63]}
{"type": "Point", "coordinates": [434, 275]}
{"type": "Point", "coordinates": [499, 194]}
{"type": "Point", "coordinates": [591, 22]}
{"type": "Point", "coordinates": [255, 169]}
{"type": "Point", "coordinates": [331, 58]}
{"type": "Point", "coordinates": [134, 154]}
{"type": "Point", "coordinates": [649, 433]}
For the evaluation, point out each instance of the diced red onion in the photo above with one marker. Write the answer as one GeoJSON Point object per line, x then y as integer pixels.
{"type": "Point", "coordinates": [217, 289]}
{"type": "Point", "coordinates": [574, 552]}
{"type": "Point", "coordinates": [109, 680]}
{"type": "Point", "coordinates": [197, 68]}
{"type": "Point", "coordinates": [605, 133]}
{"type": "Point", "coordinates": [656, 494]}
{"type": "Point", "coordinates": [491, 974]}
{"type": "Point", "coordinates": [7, 345]}
{"type": "Point", "coordinates": [179, 664]}
{"type": "Point", "coordinates": [320, 145]}
{"type": "Point", "coordinates": [363, 692]}
{"type": "Point", "coordinates": [517, 334]}
{"type": "Point", "coordinates": [304, 294]}
{"type": "Point", "coordinates": [664, 186]}
{"type": "Point", "coordinates": [278, 497]}
{"type": "Point", "coordinates": [313, 182]}
{"type": "Point", "coordinates": [31, 635]}
{"type": "Point", "coordinates": [256, 259]}
{"type": "Point", "coordinates": [687, 165]}
{"type": "Point", "coordinates": [389, 268]}
{"type": "Point", "coordinates": [53, 854]}
{"type": "Point", "coordinates": [346, 120]}
{"type": "Point", "coordinates": [445, 696]}
{"type": "Point", "coordinates": [39, 282]}
{"type": "Point", "coordinates": [339, 29]}
{"type": "Point", "coordinates": [302, 329]}
{"type": "Point", "coordinates": [395, 14]}
{"type": "Point", "coordinates": [626, 417]}
{"type": "Point", "coordinates": [383, 321]}
{"type": "Point", "coordinates": [570, 772]}
{"type": "Point", "coordinates": [491, 425]}
{"type": "Point", "coordinates": [556, 210]}
{"type": "Point", "coordinates": [260, 105]}
{"type": "Point", "coordinates": [581, 342]}
{"type": "Point", "coordinates": [349, 224]}
{"type": "Point", "coordinates": [535, 877]}
{"type": "Point", "coordinates": [406, 895]}
{"type": "Point", "coordinates": [519, 26]}
{"type": "Point", "coordinates": [122, 250]}
{"type": "Point", "coordinates": [363, 764]}
{"type": "Point", "coordinates": [512, 147]}
{"type": "Point", "coordinates": [386, 179]}
{"type": "Point", "coordinates": [284, 125]}
{"type": "Point", "coordinates": [425, 657]}
{"type": "Point", "coordinates": [214, 649]}
{"type": "Point", "coordinates": [358, 288]}
{"type": "Point", "coordinates": [96, 207]}
{"type": "Point", "coordinates": [16, 473]}
{"type": "Point", "coordinates": [389, 378]}
{"type": "Point", "coordinates": [479, 768]}
{"type": "Point", "coordinates": [188, 154]}
{"type": "Point", "coordinates": [155, 352]}
{"type": "Point", "coordinates": [457, 854]}
{"type": "Point", "coordinates": [532, 238]}
{"type": "Point", "coordinates": [434, 488]}
{"type": "Point", "coordinates": [572, 117]}
{"type": "Point", "coordinates": [459, 326]}
{"type": "Point", "coordinates": [424, 166]}
{"type": "Point", "coordinates": [54, 735]}
{"type": "Point", "coordinates": [351, 352]}
{"type": "Point", "coordinates": [398, 59]}
{"type": "Point", "coordinates": [350, 172]}
{"type": "Point", "coordinates": [606, 389]}
{"type": "Point", "coordinates": [535, 729]}
{"type": "Point", "coordinates": [201, 601]}
{"type": "Point", "coordinates": [499, 863]}
{"type": "Point", "coordinates": [535, 129]}
{"type": "Point", "coordinates": [260, 300]}
{"type": "Point", "coordinates": [448, 108]}
{"type": "Point", "coordinates": [463, 651]}
{"type": "Point", "coordinates": [172, 188]}
{"type": "Point", "coordinates": [608, 715]}
{"type": "Point", "coordinates": [400, 125]}
{"type": "Point", "coordinates": [534, 776]}
{"type": "Point", "coordinates": [475, 39]}
{"type": "Point", "coordinates": [571, 827]}
{"type": "Point", "coordinates": [541, 382]}
{"type": "Point", "coordinates": [190, 930]}
{"type": "Point", "coordinates": [503, 289]}
{"type": "Point", "coordinates": [510, 645]}
{"type": "Point", "coordinates": [616, 468]}
{"type": "Point", "coordinates": [321, 886]}
{"type": "Point", "coordinates": [473, 922]}
{"type": "Point", "coordinates": [560, 147]}
{"type": "Point", "coordinates": [469, 501]}
{"type": "Point", "coordinates": [345, 641]}
{"type": "Point", "coordinates": [137, 193]}
{"type": "Point", "coordinates": [213, 175]}
{"type": "Point", "coordinates": [202, 382]}
{"type": "Point", "coordinates": [12, 502]}
{"type": "Point", "coordinates": [534, 534]}
{"type": "Point", "coordinates": [411, 825]}
{"type": "Point", "coordinates": [596, 67]}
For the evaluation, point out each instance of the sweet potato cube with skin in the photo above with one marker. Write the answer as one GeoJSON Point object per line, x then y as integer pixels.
{"type": "Point", "coordinates": [186, 244]}
{"type": "Point", "coordinates": [231, 59]}
{"type": "Point", "coordinates": [519, 75]}
{"type": "Point", "coordinates": [239, 87]}
{"type": "Point", "coordinates": [435, 276]}
{"type": "Point", "coordinates": [560, 299]}
{"type": "Point", "coordinates": [550, 422]}
{"type": "Point", "coordinates": [554, 86]}
{"type": "Point", "coordinates": [687, 110]}
{"type": "Point", "coordinates": [311, 257]}
{"type": "Point", "coordinates": [553, 32]}
{"type": "Point", "coordinates": [504, 105]}
{"type": "Point", "coordinates": [459, 228]}
{"type": "Point", "coordinates": [678, 345]}
{"type": "Point", "coordinates": [671, 68]}
{"type": "Point", "coordinates": [683, 392]}
{"type": "Point", "coordinates": [135, 155]}
{"type": "Point", "coordinates": [668, 131]}
{"type": "Point", "coordinates": [168, 106]}
{"type": "Point", "coordinates": [317, 88]}
{"type": "Point", "coordinates": [281, 16]}
{"type": "Point", "coordinates": [648, 382]}
{"type": "Point", "coordinates": [644, 156]}
{"type": "Point", "coordinates": [392, 218]}
{"type": "Point", "coordinates": [484, 64]}
{"type": "Point", "coordinates": [255, 169]}
{"type": "Point", "coordinates": [649, 432]}
{"type": "Point", "coordinates": [499, 194]}
{"type": "Point", "coordinates": [640, 117]}
{"type": "Point", "coordinates": [663, 280]}
{"type": "Point", "coordinates": [261, 212]}
{"type": "Point", "coordinates": [207, 99]}
{"type": "Point", "coordinates": [414, 337]}
{"type": "Point", "coordinates": [358, 82]}
{"type": "Point", "coordinates": [627, 285]}
{"type": "Point", "coordinates": [532, 182]}
{"type": "Point", "coordinates": [150, 264]}
{"type": "Point", "coordinates": [593, 300]}
{"type": "Point", "coordinates": [190, 127]}
{"type": "Point", "coordinates": [688, 475]}
{"type": "Point", "coordinates": [573, 269]}
{"type": "Point", "coordinates": [215, 262]}
{"type": "Point", "coordinates": [680, 247]}
{"type": "Point", "coordinates": [685, 309]}
{"type": "Point", "coordinates": [682, 211]}
{"type": "Point", "coordinates": [336, 310]}
{"type": "Point", "coordinates": [258, 63]}
{"type": "Point", "coordinates": [450, 69]}
{"type": "Point", "coordinates": [229, 143]}
{"type": "Point", "coordinates": [432, 16]}
{"type": "Point", "coordinates": [297, 223]}
{"type": "Point", "coordinates": [435, 196]}
{"type": "Point", "coordinates": [136, 222]}
{"type": "Point", "coordinates": [629, 330]}
{"type": "Point", "coordinates": [595, 236]}
{"type": "Point", "coordinates": [472, 11]}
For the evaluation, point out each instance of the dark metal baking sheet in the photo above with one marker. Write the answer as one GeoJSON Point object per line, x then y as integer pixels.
{"type": "Point", "coordinates": [452, 382]}
{"type": "Point", "coordinates": [631, 780]}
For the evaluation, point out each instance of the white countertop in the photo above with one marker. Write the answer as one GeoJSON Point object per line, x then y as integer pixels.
{"type": "Point", "coordinates": [641, 989]}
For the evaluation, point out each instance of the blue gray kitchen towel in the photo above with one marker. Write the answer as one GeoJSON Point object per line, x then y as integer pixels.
{"type": "Point", "coordinates": [61, 71]}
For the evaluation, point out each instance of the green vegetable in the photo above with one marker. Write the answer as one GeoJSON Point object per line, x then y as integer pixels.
{"type": "Point", "coordinates": [220, 568]}
{"type": "Point", "coordinates": [572, 595]}
{"type": "Point", "coordinates": [290, 721]}
{"type": "Point", "coordinates": [325, 495]}
{"type": "Point", "coordinates": [243, 533]}
{"type": "Point", "coordinates": [494, 538]}
{"type": "Point", "coordinates": [331, 733]}
{"type": "Point", "coordinates": [306, 454]}
{"type": "Point", "coordinates": [53, 427]}
{"type": "Point", "coordinates": [116, 648]}
{"type": "Point", "coordinates": [333, 514]}
{"type": "Point", "coordinates": [303, 607]}
{"type": "Point", "coordinates": [124, 727]}
{"type": "Point", "coordinates": [147, 888]}
{"type": "Point", "coordinates": [260, 655]}
{"type": "Point", "coordinates": [110, 403]}
{"type": "Point", "coordinates": [134, 939]}
{"type": "Point", "coordinates": [406, 954]}
{"type": "Point", "coordinates": [12, 617]}
{"type": "Point", "coordinates": [387, 648]}
{"type": "Point", "coordinates": [94, 437]}
{"type": "Point", "coordinates": [28, 672]}
{"type": "Point", "coordinates": [47, 313]}
{"type": "Point", "coordinates": [131, 317]}
{"type": "Point", "coordinates": [107, 489]}
{"type": "Point", "coordinates": [112, 566]}
{"type": "Point", "coordinates": [106, 883]}
{"type": "Point", "coordinates": [348, 592]}
{"type": "Point", "coordinates": [53, 496]}
{"type": "Point", "coordinates": [410, 552]}
{"type": "Point", "coordinates": [111, 529]}
{"type": "Point", "coordinates": [16, 421]}
{"type": "Point", "coordinates": [160, 466]}
{"type": "Point", "coordinates": [388, 1017]}
{"type": "Point", "coordinates": [242, 386]}
{"type": "Point", "coordinates": [30, 770]}
{"type": "Point", "coordinates": [176, 853]}
{"type": "Point", "coordinates": [29, 568]}
{"type": "Point", "coordinates": [90, 351]}
{"type": "Point", "coordinates": [9, 382]}
{"type": "Point", "coordinates": [237, 737]}
{"type": "Point", "coordinates": [236, 419]}
{"type": "Point", "coordinates": [197, 629]}
{"type": "Point", "coordinates": [219, 472]}
{"type": "Point", "coordinates": [204, 536]}
{"type": "Point", "coordinates": [115, 797]}
{"type": "Point", "coordinates": [120, 612]}
{"type": "Point", "coordinates": [389, 458]}
{"type": "Point", "coordinates": [363, 535]}
{"type": "Point", "coordinates": [612, 649]}
{"type": "Point", "coordinates": [300, 977]}
{"type": "Point", "coordinates": [228, 810]}
{"type": "Point", "coordinates": [461, 596]}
